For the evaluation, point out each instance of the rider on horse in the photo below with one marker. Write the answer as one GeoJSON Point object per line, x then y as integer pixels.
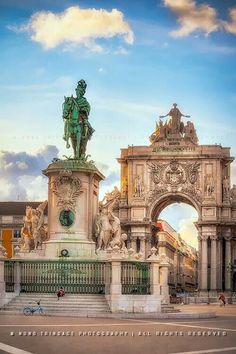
{"type": "Point", "coordinates": [77, 127]}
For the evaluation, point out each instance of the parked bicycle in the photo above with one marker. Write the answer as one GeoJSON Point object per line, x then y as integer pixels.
{"type": "Point", "coordinates": [30, 310]}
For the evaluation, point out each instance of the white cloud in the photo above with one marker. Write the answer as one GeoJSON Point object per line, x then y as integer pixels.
{"type": "Point", "coordinates": [193, 17]}
{"type": "Point", "coordinates": [76, 26]}
{"type": "Point", "coordinates": [231, 26]}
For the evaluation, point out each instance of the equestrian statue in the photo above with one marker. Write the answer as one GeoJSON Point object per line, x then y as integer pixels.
{"type": "Point", "coordinates": [77, 129]}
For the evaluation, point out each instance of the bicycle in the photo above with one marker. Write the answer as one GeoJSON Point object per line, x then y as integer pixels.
{"type": "Point", "coordinates": [30, 310]}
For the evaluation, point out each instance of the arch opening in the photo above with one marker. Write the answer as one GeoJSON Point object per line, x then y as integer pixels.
{"type": "Point", "coordinates": [175, 234]}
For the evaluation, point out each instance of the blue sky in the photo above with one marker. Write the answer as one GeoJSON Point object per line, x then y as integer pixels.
{"type": "Point", "coordinates": [136, 62]}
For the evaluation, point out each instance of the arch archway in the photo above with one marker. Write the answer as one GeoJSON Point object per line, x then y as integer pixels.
{"type": "Point", "coordinates": [183, 257]}
{"type": "Point", "coordinates": [167, 199]}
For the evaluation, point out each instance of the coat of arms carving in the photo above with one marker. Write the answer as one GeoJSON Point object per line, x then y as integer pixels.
{"type": "Point", "coordinates": [67, 188]}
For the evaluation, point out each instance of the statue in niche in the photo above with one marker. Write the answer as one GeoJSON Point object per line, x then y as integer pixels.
{"type": "Point", "coordinates": [226, 187]}
{"type": "Point", "coordinates": [138, 186]}
{"type": "Point", "coordinates": [209, 186]}
{"type": "Point", "coordinates": [77, 128]}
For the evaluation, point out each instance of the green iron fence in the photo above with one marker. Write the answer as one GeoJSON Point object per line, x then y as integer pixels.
{"type": "Point", "coordinates": [135, 278]}
{"type": "Point", "coordinates": [84, 277]}
{"type": "Point", "coordinates": [9, 276]}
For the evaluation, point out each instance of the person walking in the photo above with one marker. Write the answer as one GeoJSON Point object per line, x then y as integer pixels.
{"type": "Point", "coordinates": [60, 293]}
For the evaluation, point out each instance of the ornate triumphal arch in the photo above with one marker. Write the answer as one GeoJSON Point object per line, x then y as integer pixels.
{"type": "Point", "coordinates": [175, 168]}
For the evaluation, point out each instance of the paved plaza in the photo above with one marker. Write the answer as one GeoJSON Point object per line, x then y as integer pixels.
{"type": "Point", "coordinates": [48, 334]}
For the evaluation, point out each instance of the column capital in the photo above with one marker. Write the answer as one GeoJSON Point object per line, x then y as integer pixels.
{"type": "Point", "coordinates": [204, 237]}
{"type": "Point", "coordinates": [227, 237]}
{"type": "Point", "coordinates": [133, 237]}
{"type": "Point", "coordinates": [214, 237]}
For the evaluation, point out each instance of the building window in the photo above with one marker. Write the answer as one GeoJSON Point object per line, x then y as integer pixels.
{"type": "Point", "coordinates": [16, 233]}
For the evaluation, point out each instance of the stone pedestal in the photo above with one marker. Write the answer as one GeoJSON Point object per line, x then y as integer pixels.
{"type": "Point", "coordinates": [73, 188]}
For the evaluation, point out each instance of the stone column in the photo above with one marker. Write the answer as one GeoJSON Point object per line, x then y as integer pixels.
{"type": "Point", "coordinates": [2, 283]}
{"type": "Point", "coordinates": [176, 269]}
{"type": "Point", "coordinates": [148, 246]}
{"type": "Point", "coordinates": [213, 262]}
{"type": "Point", "coordinates": [164, 271]}
{"type": "Point", "coordinates": [17, 278]}
{"type": "Point", "coordinates": [204, 263]}
{"type": "Point", "coordinates": [115, 288]}
{"type": "Point", "coordinates": [199, 261]}
{"type": "Point", "coordinates": [155, 277]}
{"type": "Point", "coordinates": [219, 265]}
{"type": "Point", "coordinates": [142, 246]}
{"type": "Point", "coordinates": [228, 264]}
{"type": "Point", "coordinates": [134, 243]}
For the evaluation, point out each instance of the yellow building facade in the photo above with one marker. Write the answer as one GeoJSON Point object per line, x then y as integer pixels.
{"type": "Point", "coordinates": [183, 272]}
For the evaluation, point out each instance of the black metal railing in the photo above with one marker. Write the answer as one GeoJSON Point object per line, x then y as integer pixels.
{"type": "Point", "coordinates": [135, 278]}
{"type": "Point", "coordinates": [84, 277]}
{"type": "Point", "coordinates": [9, 277]}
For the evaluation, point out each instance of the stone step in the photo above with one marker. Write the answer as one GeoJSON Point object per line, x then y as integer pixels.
{"type": "Point", "coordinates": [54, 310]}
{"type": "Point", "coordinates": [64, 299]}
{"type": "Point", "coordinates": [46, 295]}
{"type": "Point", "coordinates": [71, 306]}
{"type": "Point", "coordinates": [58, 303]}
{"type": "Point", "coordinates": [71, 303]}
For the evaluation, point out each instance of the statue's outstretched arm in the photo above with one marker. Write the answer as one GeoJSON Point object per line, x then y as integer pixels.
{"type": "Point", "coordinates": [164, 116]}
{"type": "Point", "coordinates": [183, 115]}
{"type": "Point", "coordinates": [168, 114]}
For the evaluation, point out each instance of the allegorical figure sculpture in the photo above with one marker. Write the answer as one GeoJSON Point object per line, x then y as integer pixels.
{"type": "Point", "coordinates": [138, 186]}
{"type": "Point", "coordinates": [174, 129]}
{"type": "Point", "coordinates": [107, 225]}
{"type": "Point", "coordinates": [226, 187]}
{"type": "Point", "coordinates": [77, 128]}
{"type": "Point", "coordinates": [175, 115]}
{"type": "Point", "coordinates": [33, 232]}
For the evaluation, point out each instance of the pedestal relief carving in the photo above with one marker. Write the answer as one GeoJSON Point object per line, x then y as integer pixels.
{"type": "Point", "coordinates": [67, 188]}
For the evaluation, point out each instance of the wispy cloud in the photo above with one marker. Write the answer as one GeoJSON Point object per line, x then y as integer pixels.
{"type": "Point", "coordinates": [231, 26]}
{"type": "Point", "coordinates": [193, 17]}
{"type": "Point", "coordinates": [76, 26]}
